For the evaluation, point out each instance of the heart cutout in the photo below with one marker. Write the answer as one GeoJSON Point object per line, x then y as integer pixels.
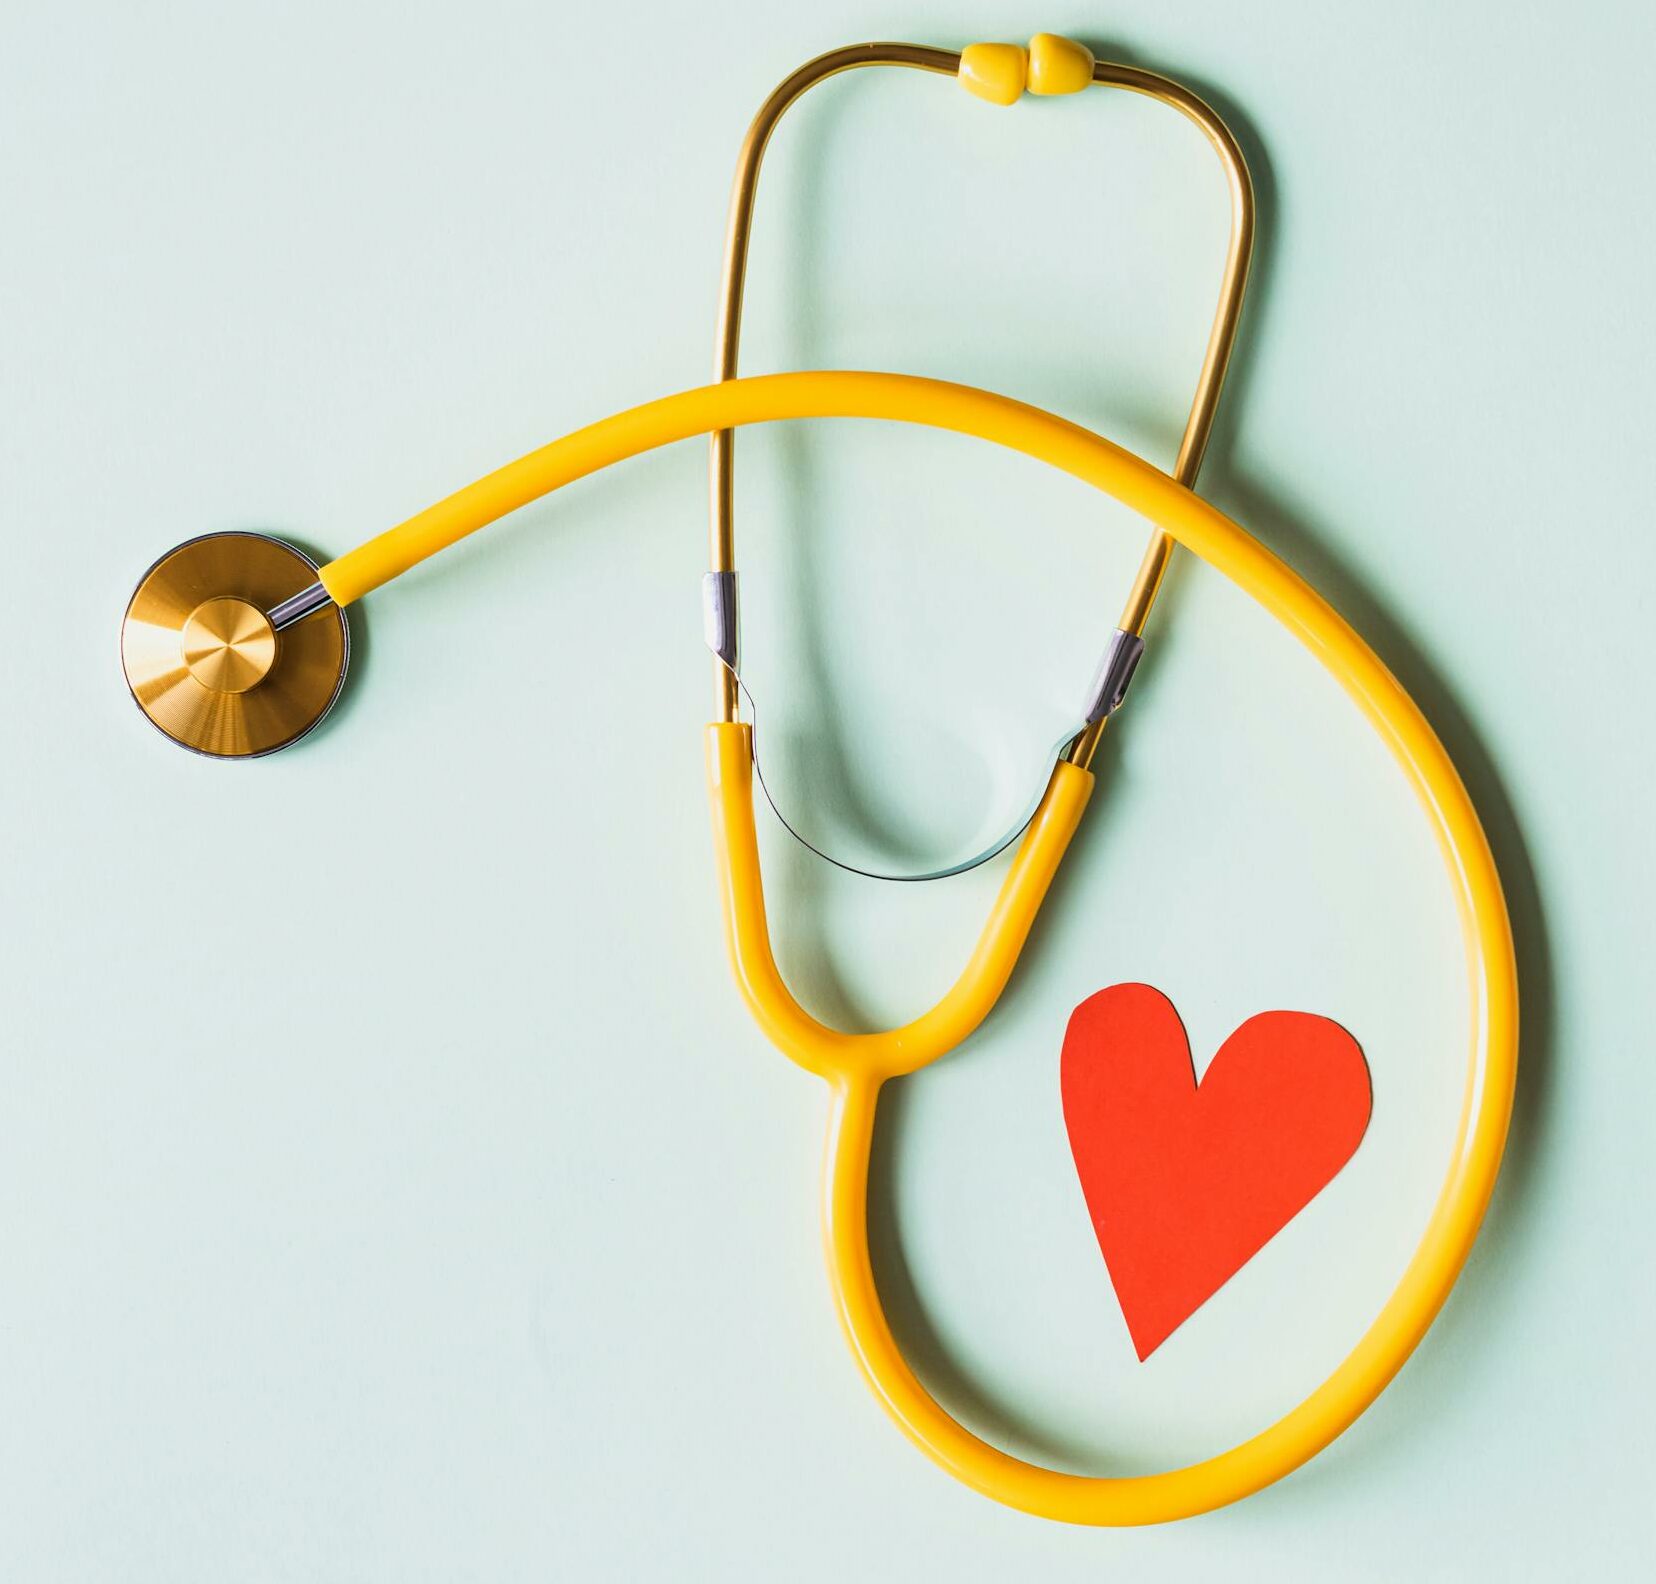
{"type": "Point", "coordinates": [1186, 1182]}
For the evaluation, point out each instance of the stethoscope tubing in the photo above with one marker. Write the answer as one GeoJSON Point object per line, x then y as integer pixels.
{"type": "Point", "coordinates": [856, 1066]}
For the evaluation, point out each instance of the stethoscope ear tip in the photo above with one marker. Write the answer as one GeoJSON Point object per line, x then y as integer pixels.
{"type": "Point", "coordinates": [1003, 73]}
{"type": "Point", "coordinates": [225, 650]}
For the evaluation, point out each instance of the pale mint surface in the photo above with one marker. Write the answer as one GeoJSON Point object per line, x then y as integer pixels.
{"type": "Point", "coordinates": [441, 1215]}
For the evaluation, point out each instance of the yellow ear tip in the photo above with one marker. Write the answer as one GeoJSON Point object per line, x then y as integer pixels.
{"type": "Point", "coordinates": [1057, 65]}
{"type": "Point", "coordinates": [996, 72]}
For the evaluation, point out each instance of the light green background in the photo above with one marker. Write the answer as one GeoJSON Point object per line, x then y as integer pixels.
{"type": "Point", "coordinates": [391, 1185]}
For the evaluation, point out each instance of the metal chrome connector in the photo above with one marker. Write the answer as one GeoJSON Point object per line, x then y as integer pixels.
{"type": "Point", "coordinates": [307, 602]}
{"type": "Point", "coordinates": [1115, 672]}
{"type": "Point", "coordinates": [721, 618]}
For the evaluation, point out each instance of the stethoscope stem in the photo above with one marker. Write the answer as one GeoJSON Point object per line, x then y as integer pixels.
{"type": "Point", "coordinates": [307, 602]}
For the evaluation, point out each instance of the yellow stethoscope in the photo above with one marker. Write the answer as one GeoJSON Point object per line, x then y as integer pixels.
{"type": "Point", "coordinates": [235, 644]}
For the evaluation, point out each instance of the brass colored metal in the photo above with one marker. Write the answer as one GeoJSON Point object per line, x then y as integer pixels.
{"type": "Point", "coordinates": [1221, 338]}
{"type": "Point", "coordinates": [733, 280]}
{"type": "Point", "coordinates": [228, 645]}
{"type": "Point", "coordinates": [203, 661]}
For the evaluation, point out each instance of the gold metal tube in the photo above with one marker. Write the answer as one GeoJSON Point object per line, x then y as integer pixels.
{"type": "Point", "coordinates": [732, 281]}
{"type": "Point", "coordinates": [1221, 338]}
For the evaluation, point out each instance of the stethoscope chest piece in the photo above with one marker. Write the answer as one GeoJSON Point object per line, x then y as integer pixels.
{"type": "Point", "coordinates": [206, 663]}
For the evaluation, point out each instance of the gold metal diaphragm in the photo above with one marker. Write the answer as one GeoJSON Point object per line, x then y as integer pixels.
{"type": "Point", "coordinates": [205, 664]}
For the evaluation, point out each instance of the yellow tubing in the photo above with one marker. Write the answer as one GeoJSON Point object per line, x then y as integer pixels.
{"type": "Point", "coordinates": [855, 1066]}
{"type": "Point", "coordinates": [871, 1058]}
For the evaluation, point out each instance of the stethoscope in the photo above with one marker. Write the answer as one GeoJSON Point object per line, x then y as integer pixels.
{"type": "Point", "coordinates": [236, 644]}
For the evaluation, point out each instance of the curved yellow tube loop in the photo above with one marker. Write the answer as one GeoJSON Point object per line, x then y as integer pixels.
{"type": "Point", "coordinates": [855, 1066]}
{"type": "Point", "coordinates": [874, 1057]}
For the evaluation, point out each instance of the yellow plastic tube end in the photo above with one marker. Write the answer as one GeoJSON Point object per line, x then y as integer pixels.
{"type": "Point", "coordinates": [996, 72]}
{"type": "Point", "coordinates": [1057, 65]}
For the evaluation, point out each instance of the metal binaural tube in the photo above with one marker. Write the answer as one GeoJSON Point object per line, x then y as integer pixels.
{"type": "Point", "coordinates": [1210, 382]}
{"type": "Point", "coordinates": [733, 279]}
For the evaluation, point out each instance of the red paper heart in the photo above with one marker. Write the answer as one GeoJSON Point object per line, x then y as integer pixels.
{"type": "Point", "coordinates": [1186, 1183]}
